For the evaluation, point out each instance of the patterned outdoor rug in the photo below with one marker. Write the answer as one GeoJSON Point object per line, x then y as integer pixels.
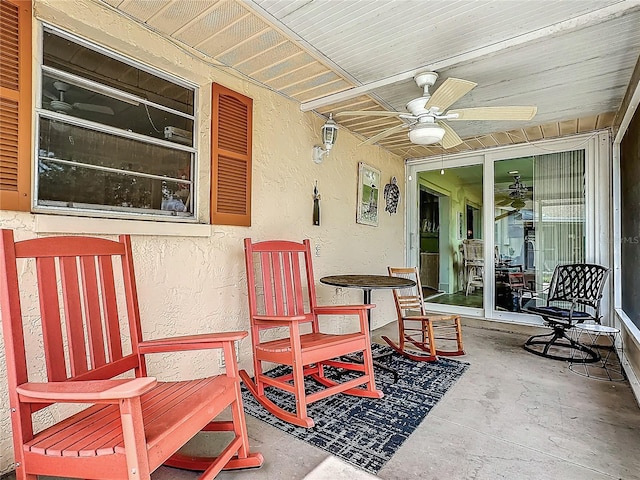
{"type": "Point", "coordinates": [363, 431]}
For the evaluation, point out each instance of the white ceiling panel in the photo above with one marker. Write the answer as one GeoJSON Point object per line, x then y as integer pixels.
{"type": "Point", "coordinates": [573, 59]}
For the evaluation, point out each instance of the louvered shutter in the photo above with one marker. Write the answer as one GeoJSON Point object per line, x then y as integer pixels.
{"type": "Point", "coordinates": [231, 125]}
{"type": "Point", "coordinates": [15, 105]}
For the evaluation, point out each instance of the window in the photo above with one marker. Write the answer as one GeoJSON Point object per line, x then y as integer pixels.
{"type": "Point", "coordinates": [114, 136]}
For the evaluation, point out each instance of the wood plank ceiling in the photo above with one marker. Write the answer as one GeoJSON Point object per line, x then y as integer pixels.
{"type": "Point", "coordinates": [573, 59]}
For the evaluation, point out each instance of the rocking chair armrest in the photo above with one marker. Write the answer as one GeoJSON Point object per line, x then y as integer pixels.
{"type": "Point", "coordinates": [190, 342]}
{"type": "Point", "coordinates": [341, 309]}
{"type": "Point", "coordinates": [88, 391]}
{"type": "Point", "coordinates": [281, 318]}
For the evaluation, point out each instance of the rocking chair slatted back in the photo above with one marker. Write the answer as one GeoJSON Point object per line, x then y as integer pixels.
{"type": "Point", "coordinates": [86, 322]}
{"type": "Point", "coordinates": [584, 282]}
{"type": "Point", "coordinates": [408, 299]}
{"type": "Point", "coordinates": [280, 268]}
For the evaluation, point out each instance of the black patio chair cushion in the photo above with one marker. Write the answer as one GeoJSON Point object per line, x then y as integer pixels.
{"type": "Point", "coordinates": [558, 312]}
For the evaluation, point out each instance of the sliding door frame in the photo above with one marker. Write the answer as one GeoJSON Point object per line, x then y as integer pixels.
{"type": "Point", "coordinates": [598, 205]}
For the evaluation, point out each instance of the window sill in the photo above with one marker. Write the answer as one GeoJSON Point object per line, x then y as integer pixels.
{"type": "Point", "coordinates": [109, 226]}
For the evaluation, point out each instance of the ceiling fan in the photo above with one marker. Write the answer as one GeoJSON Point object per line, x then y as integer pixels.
{"type": "Point", "coordinates": [59, 104]}
{"type": "Point", "coordinates": [427, 113]}
{"type": "Point", "coordinates": [516, 191]}
{"type": "Point", "coordinates": [515, 199]}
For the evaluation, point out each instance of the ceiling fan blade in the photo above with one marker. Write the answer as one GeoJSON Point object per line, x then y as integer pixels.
{"type": "Point", "coordinates": [505, 202]}
{"type": "Point", "coordinates": [49, 95]}
{"type": "Point", "coordinates": [451, 138]}
{"type": "Point", "coordinates": [366, 113]}
{"type": "Point", "coordinates": [451, 90]}
{"type": "Point", "coordinates": [494, 113]}
{"type": "Point", "coordinates": [89, 107]}
{"type": "Point", "coordinates": [506, 214]}
{"type": "Point", "coordinates": [383, 134]}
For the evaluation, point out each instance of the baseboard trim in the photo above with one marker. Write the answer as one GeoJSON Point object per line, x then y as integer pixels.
{"type": "Point", "coordinates": [631, 376]}
{"type": "Point", "coordinates": [502, 326]}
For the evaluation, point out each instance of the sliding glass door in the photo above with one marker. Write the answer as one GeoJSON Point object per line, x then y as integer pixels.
{"type": "Point", "coordinates": [483, 227]}
{"type": "Point", "coordinates": [450, 219]}
{"type": "Point", "coordinates": [539, 222]}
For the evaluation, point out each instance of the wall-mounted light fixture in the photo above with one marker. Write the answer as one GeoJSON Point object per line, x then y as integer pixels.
{"type": "Point", "coordinates": [329, 135]}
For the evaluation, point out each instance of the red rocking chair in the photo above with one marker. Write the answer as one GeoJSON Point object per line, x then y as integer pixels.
{"type": "Point", "coordinates": [130, 426]}
{"type": "Point", "coordinates": [282, 294]}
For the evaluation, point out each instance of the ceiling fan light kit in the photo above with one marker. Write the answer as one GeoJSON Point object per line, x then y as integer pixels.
{"type": "Point", "coordinates": [426, 134]}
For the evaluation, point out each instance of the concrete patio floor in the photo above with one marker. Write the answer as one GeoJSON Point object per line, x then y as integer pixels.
{"type": "Point", "coordinates": [512, 415]}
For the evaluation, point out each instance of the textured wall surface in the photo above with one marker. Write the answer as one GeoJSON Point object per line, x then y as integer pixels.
{"type": "Point", "coordinates": [191, 284]}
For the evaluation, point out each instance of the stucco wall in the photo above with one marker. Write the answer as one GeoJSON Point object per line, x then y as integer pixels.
{"type": "Point", "coordinates": [190, 284]}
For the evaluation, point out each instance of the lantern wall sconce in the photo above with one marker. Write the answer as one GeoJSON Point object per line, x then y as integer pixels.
{"type": "Point", "coordinates": [329, 135]}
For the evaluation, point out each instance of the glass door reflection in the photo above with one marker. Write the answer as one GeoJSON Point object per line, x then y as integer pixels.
{"type": "Point", "coordinates": [539, 222]}
{"type": "Point", "coordinates": [450, 214]}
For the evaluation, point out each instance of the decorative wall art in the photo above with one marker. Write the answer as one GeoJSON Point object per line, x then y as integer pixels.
{"type": "Point", "coordinates": [368, 194]}
{"type": "Point", "coordinates": [391, 196]}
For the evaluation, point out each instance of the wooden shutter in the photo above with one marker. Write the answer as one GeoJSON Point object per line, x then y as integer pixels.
{"type": "Point", "coordinates": [231, 127]}
{"type": "Point", "coordinates": [15, 105]}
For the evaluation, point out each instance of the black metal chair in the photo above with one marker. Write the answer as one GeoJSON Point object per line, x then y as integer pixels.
{"type": "Point", "coordinates": [573, 297]}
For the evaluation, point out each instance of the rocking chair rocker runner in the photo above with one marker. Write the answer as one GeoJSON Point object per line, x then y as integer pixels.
{"type": "Point", "coordinates": [131, 426]}
{"type": "Point", "coordinates": [282, 294]}
{"type": "Point", "coordinates": [571, 286]}
{"type": "Point", "coordinates": [421, 329]}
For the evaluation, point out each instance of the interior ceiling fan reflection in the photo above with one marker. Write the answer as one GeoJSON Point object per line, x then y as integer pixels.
{"type": "Point", "coordinates": [516, 191]}
{"type": "Point", "coordinates": [516, 199]}
{"type": "Point", "coordinates": [58, 103]}
{"type": "Point", "coordinates": [427, 114]}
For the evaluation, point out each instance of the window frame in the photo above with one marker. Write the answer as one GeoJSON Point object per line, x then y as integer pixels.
{"type": "Point", "coordinates": [42, 113]}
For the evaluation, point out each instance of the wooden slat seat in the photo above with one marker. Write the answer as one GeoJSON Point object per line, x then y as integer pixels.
{"type": "Point", "coordinates": [313, 341]}
{"type": "Point", "coordinates": [97, 430]}
{"type": "Point", "coordinates": [130, 426]}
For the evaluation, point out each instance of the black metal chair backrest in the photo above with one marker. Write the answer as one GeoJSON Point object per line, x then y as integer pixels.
{"type": "Point", "coordinates": [579, 282]}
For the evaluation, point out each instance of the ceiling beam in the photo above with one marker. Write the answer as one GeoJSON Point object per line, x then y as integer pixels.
{"type": "Point", "coordinates": [606, 13]}
{"type": "Point", "coordinates": [629, 105]}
